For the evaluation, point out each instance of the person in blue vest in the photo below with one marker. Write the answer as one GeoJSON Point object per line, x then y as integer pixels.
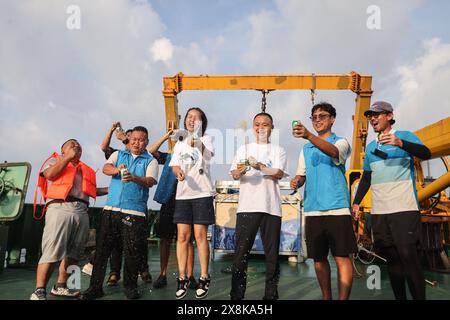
{"type": "Point", "coordinates": [115, 261]}
{"type": "Point", "coordinates": [165, 229]}
{"type": "Point", "coordinates": [124, 214]}
{"type": "Point", "coordinates": [328, 222]}
{"type": "Point", "coordinates": [389, 171]}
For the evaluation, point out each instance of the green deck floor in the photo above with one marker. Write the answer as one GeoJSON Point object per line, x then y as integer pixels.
{"type": "Point", "coordinates": [297, 281]}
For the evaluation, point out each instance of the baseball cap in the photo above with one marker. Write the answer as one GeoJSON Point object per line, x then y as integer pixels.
{"type": "Point", "coordinates": [379, 107]}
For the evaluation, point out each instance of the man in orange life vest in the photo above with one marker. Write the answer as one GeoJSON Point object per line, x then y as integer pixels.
{"type": "Point", "coordinates": [66, 184]}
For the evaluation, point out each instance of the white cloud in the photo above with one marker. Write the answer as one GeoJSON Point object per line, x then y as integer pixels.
{"type": "Point", "coordinates": [300, 36]}
{"type": "Point", "coordinates": [58, 83]}
{"type": "Point", "coordinates": [162, 50]}
{"type": "Point", "coordinates": [424, 84]}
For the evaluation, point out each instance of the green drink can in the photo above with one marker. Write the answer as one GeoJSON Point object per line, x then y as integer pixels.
{"type": "Point", "coordinates": [295, 122]}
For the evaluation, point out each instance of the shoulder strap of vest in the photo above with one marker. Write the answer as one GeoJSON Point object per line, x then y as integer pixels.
{"type": "Point", "coordinates": [41, 183]}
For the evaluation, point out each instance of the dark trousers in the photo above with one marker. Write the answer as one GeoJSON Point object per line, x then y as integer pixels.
{"type": "Point", "coordinates": [247, 225]}
{"type": "Point", "coordinates": [403, 263]}
{"type": "Point", "coordinates": [143, 234]}
{"type": "Point", "coordinates": [115, 261]}
{"type": "Point", "coordinates": [117, 227]}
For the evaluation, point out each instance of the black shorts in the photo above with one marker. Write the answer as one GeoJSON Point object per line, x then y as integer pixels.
{"type": "Point", "coordinates": [164, 226]}
{"type": "Point", "coordinates": [324, 233]}
{"type": "Point", "coordinates": [194, 211]}
{"type": "Point", "coordinates": [396, 228]}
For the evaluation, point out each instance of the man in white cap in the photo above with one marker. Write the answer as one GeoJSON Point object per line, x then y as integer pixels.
{"type": "Point", "coordinates": [389, 171]}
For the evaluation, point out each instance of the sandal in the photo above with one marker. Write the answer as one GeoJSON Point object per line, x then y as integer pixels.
{"type": "Point", "coordinates": [114, 277]}
{"type": "Point", "coordinates": [146, 277]}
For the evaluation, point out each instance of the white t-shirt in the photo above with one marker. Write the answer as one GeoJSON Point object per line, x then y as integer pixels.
{"type": "Point", "coordinates": [259, 192]}
{"type": "Point", "coordinates": [152, 171]}
{"type": "Point", "coordinates": [344, 152]}
{"type": "Point", "coordinates": [196, 166]}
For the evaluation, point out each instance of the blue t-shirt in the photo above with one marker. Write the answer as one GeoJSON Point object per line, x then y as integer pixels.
{"type": "Point", "coordinates": [393, 180]}
{"type": "Point", "coordinates": [326, 187]}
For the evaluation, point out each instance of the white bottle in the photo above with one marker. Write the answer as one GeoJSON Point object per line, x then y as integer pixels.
{"type": "Point", "coordinates": [23, 254]}
{"type": "Point", "coordinates": [6, 259]}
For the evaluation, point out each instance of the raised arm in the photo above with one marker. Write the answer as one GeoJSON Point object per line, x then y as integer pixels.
{"type": "Point", "coordinates": [328, 148]}
{"type": "Point", "coordinates": [107, 140]}
{"type": "Point", "coordinates": [153, 149]}
{"type": "Point", "coordinates": [415, 149]}
{"type": "Point", "coordinates": [61, 163]}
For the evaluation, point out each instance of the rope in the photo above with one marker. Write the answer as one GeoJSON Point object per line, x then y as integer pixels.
{"type": "Point", "coordinates": [313, 88]}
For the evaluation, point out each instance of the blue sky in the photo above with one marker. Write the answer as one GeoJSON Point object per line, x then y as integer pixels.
{"type": "Point", "coordinates": [58, 83]}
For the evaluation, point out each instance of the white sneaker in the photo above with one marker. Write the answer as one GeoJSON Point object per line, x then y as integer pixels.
{"type": "Point", "coordinates": [182, 288]}
{"type": "Point", "coordinates": [203, 288]}
{"type": "Point", "coordinates": [87, 269]}
{"type": "Point", "coordinates": [65, 292]}
{"type": "Point", "coordinates": [39, 294]}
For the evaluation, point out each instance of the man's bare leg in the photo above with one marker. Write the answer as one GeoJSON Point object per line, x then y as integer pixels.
{"type": "Point", "coordinates": [345, 276]}
{"type": "Point", "coordinates": [63, 276]}
{"type": "Point", "coordinates": [323, 273]}
{"type": "Point", "coordinates": [43, 273]}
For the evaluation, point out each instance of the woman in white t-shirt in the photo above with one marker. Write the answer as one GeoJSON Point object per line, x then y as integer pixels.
{"type": "Point", "coordinates": [259, 166]}
{"type": "Point", "coordinates": [194, 204]}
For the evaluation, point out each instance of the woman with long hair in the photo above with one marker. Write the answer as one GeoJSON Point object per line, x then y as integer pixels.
{"type": "Point", "coordinates": [194, 206]}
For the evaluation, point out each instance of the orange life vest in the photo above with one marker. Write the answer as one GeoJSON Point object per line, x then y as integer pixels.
{"type": "Point", "coordinates": [60, 187]}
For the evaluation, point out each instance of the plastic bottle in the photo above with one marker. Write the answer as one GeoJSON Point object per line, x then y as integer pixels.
{"type": "Point", "coordinates": [119, 127]}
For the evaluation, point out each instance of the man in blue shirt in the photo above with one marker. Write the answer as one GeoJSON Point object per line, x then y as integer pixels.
{"type": "Point", "coordinates": [328, 223]}
{"type": "Point", "coordinates": [124, 214]}
{"type": "Point", "coordinates": [389, 171]}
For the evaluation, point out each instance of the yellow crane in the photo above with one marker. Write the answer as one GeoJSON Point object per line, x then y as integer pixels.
{"type": "Point", "coordinates": [435, 136]}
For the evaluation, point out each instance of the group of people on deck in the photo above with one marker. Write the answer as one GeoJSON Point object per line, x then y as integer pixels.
{"type": "Point", "coordinates": [186, 194]}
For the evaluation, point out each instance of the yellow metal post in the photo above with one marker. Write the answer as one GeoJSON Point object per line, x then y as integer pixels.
{"type": "Point", "coordinates": [359, 130]}
{"type": "Point", "coordinates": [435, 187]}
{"type": "Point", "coordinates": [172, 118]}
{"type": "Point", "coordinates": [352, 81]}
{"type": "Point", "coordinates": [436, 137]}
{"type": "Point", "coordinates": [360, 84]}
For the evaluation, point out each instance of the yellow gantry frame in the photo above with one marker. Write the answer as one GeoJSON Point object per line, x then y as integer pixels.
{"type": "Point", "coordinates": [359, 84]}
{"type": "Point", "coordinates": [437, 138]}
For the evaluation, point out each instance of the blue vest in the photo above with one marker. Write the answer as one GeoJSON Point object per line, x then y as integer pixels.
{"type": "Point", "coordinates": [167, 185]}
{"type": "Point", "coordinates": [326, 186]}
{"type": "Point", "coordinates": [129, 195]}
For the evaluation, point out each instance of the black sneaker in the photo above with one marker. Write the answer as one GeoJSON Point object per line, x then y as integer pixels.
{"type": "Point", "coordinates": [275, 297]}
{"type": "Point", "coordinates": [193, 283]}
{"type": "Point", "coordinates": [161, 282]}
{"type": "Point", "coordinates": [182, 288]}
{"type": "Point", "coordinates": [91, 294]}
{"type": "Point", "coordinates": [203, 288]}
{"type": "Point", "coordinates": [132, 294]}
